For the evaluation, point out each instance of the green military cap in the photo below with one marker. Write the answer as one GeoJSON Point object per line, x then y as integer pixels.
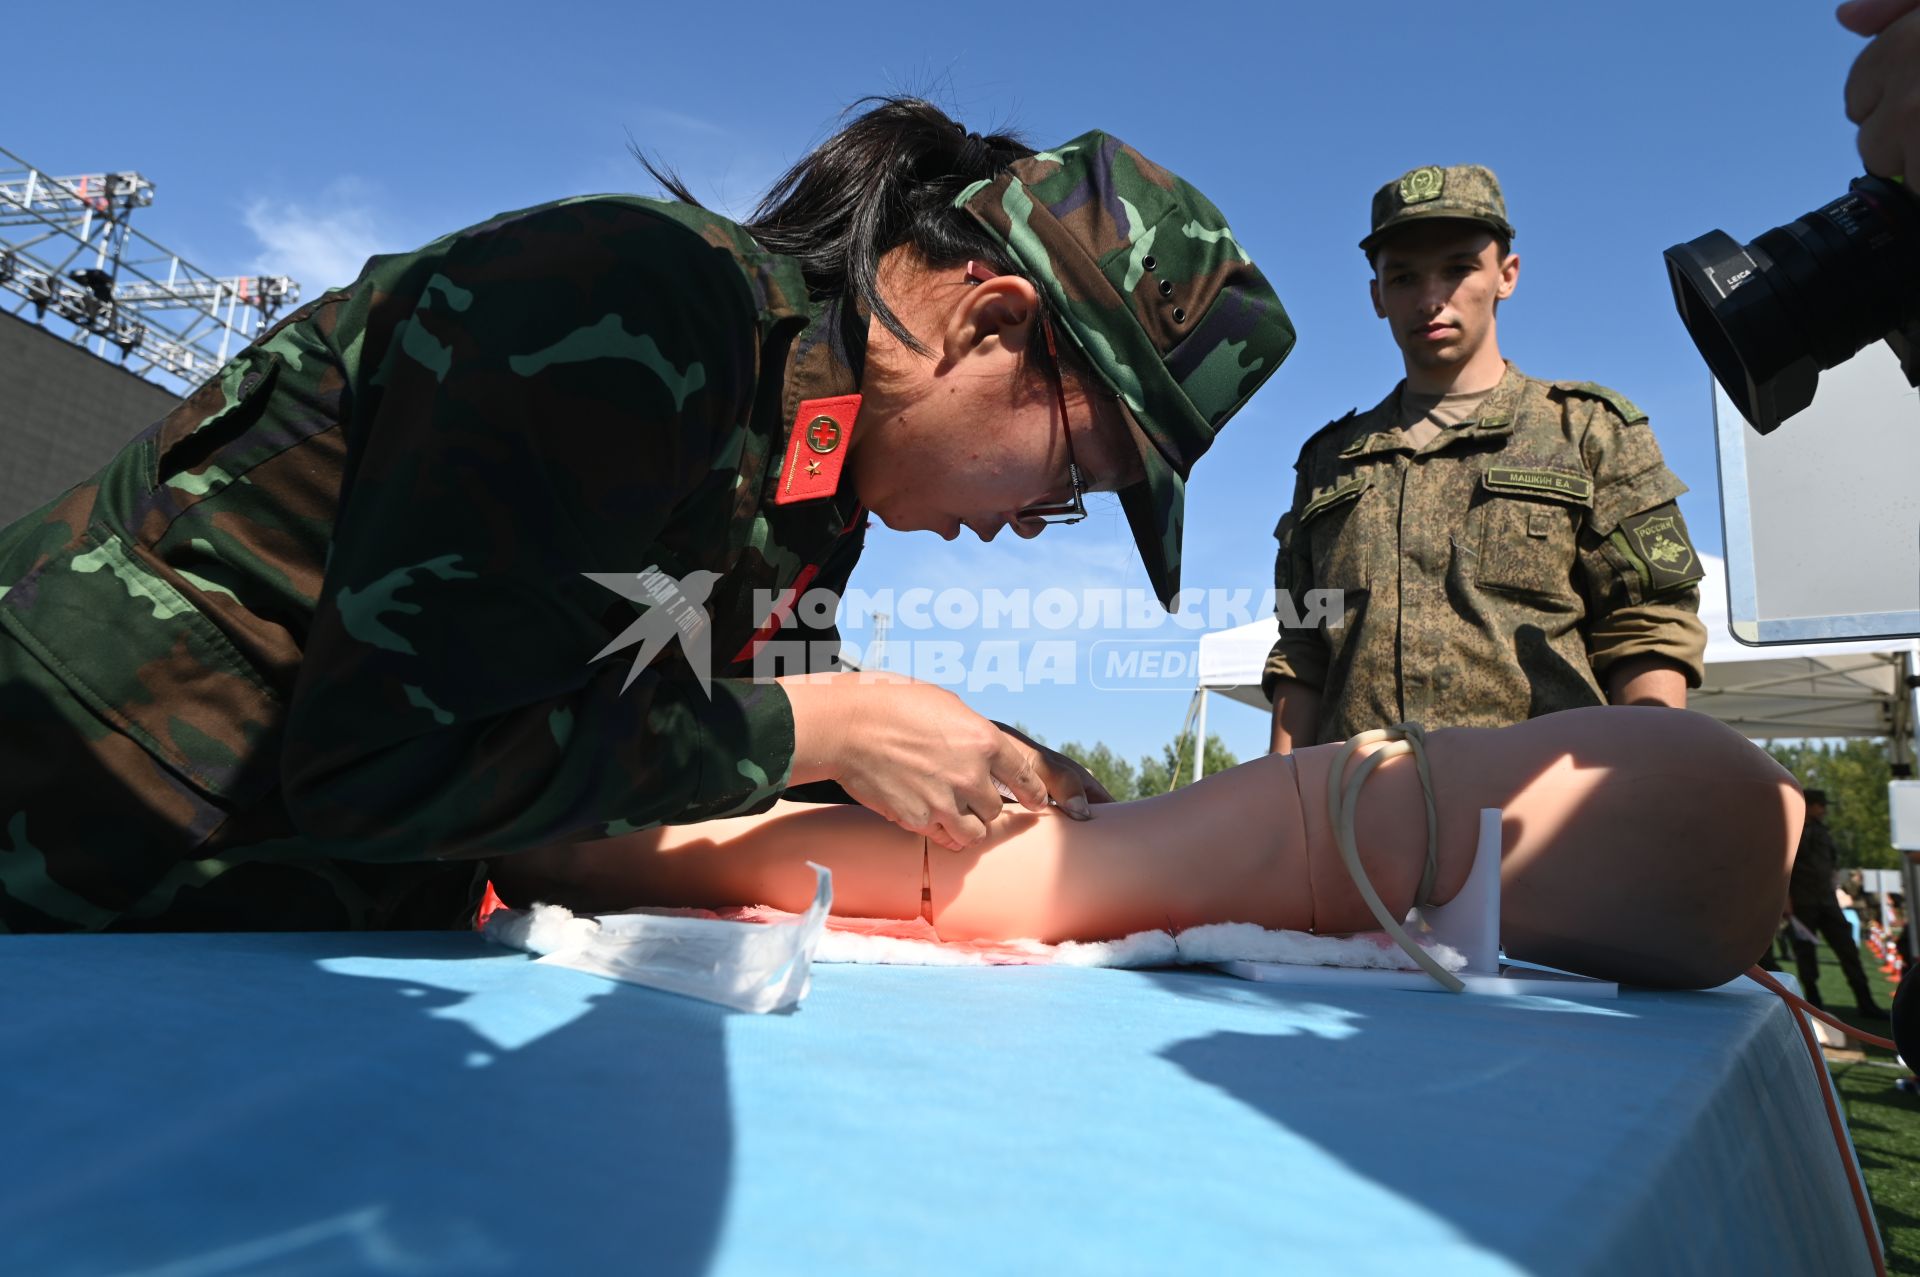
{"type": "Point", "coordinates": [1464, 192]}
{"type": "Point", "coordinates": [1151, 286]}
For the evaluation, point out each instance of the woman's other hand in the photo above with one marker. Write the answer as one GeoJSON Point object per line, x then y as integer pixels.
{"type": "Point", "coordinates": [915, 754]}
{"type": "Point", "coordinates": [1069, 784]}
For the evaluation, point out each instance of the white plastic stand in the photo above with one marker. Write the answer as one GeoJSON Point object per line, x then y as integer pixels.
{"type": "Point", "coordinates": [1468, 923]}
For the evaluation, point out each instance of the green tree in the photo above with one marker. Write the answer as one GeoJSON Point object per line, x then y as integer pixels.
{"type": "Point", "coordinates": [1111, 770]}
{"type": "Point", "coordinates": [1855, 774]}
{"type": "Point", "coordinates": [1155, 775]}
{"type": "Point", "coordinates": [1174, 768]}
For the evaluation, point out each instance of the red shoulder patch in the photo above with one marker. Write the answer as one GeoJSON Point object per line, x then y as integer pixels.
{"type": "Point", "coordinates": [817, 449]}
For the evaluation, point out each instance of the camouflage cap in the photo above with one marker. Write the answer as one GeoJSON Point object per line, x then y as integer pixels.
{"type": "Point", "coordinates": [1464, 192]}
{"type": "Point", "coordinates": [1151, 286]}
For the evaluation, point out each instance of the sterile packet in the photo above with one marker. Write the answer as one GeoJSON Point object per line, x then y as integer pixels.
{"type": "Point", "coordinates": [749, 966]}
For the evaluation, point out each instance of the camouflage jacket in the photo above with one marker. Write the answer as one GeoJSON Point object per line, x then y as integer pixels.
{"type": "Point", "coordinates": [336, 597]}
{"type": "Point", "coordinates": [1494, 574]}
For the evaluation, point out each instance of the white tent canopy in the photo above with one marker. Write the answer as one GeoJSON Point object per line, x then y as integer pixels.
{"type": "Point", "coordinates": [1805, 690]}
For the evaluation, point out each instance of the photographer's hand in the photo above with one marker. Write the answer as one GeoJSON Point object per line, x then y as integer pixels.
{"type": "Point", "coordinates": [1883, 89]}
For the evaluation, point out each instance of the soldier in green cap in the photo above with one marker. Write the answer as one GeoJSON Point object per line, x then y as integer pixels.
{"type": "Point", "coordinates": [1502, 547]}
{"type": "Point", "coordinates": [329, 636]}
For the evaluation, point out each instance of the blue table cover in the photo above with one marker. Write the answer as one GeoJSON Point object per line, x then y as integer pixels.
{"type": "Point", "coordinates": [423, 1103]}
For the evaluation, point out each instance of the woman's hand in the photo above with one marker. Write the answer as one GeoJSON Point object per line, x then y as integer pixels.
{"type": "Point", "coordinates": [914, 753]}
{"type": "Point", "coordinates": [1883, 89]}
{"type": "Point", "coordinates": [1069, 784]}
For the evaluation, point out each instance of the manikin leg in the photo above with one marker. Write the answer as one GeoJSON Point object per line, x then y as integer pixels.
{"type": "Point", "coordinates": [1646, 845]}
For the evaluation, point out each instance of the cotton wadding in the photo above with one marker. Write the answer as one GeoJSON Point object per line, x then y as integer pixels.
{"type": "Point", "coordinates": [547, 929]}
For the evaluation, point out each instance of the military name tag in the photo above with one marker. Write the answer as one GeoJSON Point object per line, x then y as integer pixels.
{"type": "Point", "coordinates": [1559, 484]}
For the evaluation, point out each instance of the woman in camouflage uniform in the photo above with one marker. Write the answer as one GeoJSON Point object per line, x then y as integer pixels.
{"type": "Point", "coordinates": [328, 634]}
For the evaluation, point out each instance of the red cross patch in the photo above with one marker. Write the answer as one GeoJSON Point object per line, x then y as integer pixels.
{"type": "Point", "coordinates": [817, 449]}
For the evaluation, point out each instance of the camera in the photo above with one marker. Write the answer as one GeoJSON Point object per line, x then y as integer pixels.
{"type": "Point", "coordinates": [1770, 316]}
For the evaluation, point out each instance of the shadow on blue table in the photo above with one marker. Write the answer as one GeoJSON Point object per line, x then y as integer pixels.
{"type": "Point", "coordinates": [1512, 1118]}
{"type": "Point", "coordinates": [249, 1104]}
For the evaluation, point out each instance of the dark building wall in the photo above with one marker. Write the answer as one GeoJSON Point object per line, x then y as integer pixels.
{"type": "Point", "coordinates": [63, 413]}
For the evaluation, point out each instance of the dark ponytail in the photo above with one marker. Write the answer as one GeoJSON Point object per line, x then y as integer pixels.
{"type": "Point", "coordinates": [888, 178]}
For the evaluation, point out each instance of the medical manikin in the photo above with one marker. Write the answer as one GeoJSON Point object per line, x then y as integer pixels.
{"type": "Point", "coordinates": [1642, 845]}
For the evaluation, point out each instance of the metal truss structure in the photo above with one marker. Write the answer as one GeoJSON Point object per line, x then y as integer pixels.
{"type": "Point", "coordinates": [68, 253]}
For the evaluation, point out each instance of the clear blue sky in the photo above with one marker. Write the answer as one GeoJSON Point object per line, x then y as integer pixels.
{"type": "Point", "coordinates": [297, 140]}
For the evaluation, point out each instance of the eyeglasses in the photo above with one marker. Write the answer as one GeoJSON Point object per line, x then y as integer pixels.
{"type": "Point", "coordinates": [1074, 509]}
